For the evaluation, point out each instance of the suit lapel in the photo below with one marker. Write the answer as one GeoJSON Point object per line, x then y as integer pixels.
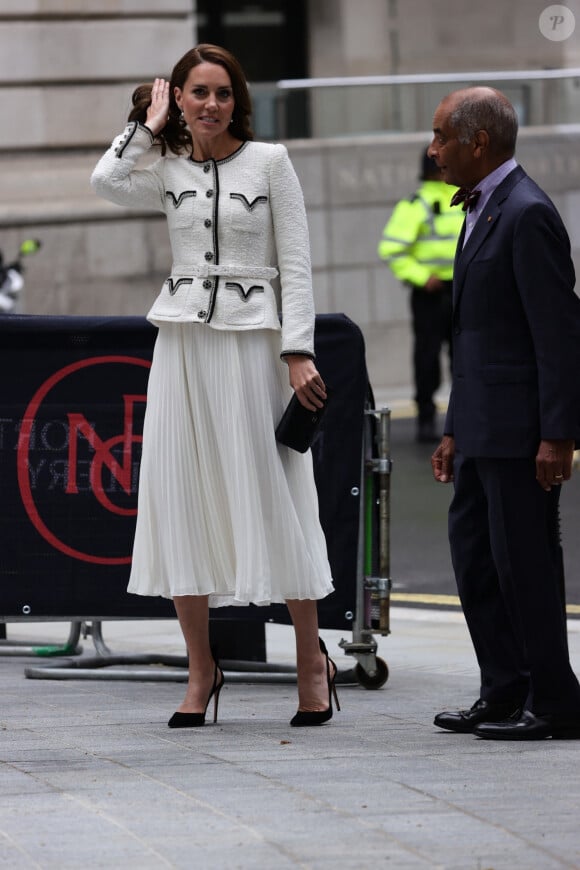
{"type": "Point", "coordinates": [457, 271]}
{"type": "Point", "coordinates": [485, 223]}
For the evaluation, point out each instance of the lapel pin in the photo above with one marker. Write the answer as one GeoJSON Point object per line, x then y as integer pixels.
{"type": "Point", "coordinates": [489, 218]}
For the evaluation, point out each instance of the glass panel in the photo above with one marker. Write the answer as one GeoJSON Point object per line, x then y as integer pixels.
{"type": "Point", "coordinates": [348, 109]}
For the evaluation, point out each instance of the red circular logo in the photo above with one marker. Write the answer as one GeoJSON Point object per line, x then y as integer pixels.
{"type": "Point", "coordinates": [89, 483]}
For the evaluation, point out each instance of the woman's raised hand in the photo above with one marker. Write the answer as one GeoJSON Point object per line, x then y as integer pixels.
{"type": "Point", "coordinates": [158, 111]}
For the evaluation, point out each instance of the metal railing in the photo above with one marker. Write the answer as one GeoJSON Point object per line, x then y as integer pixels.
{"type": "Point", "coordinates": [359, 105]}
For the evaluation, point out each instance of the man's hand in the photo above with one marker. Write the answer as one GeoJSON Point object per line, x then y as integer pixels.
{"type": "Point", "coordinates": [442, 460]}
{"type": "Point", "coordinates": [554, 463]}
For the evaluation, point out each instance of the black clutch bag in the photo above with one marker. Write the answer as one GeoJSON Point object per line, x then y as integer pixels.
{"type": "Point", "coordinates": [298, 425]}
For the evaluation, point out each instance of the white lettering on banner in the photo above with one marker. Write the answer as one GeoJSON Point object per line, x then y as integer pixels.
{"type": "Point", "coordinates": [33, 471]}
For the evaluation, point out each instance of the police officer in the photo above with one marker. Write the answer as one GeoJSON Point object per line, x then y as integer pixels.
{"type": "Point", "coordinates": [419, 243]}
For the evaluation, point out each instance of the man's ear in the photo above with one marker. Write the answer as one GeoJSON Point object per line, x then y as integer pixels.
{"type": "Point", "coordinates": [481, 143]}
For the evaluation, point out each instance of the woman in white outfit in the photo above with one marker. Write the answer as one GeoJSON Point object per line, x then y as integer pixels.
{"type": "Point", "coordinates": [226, 516]}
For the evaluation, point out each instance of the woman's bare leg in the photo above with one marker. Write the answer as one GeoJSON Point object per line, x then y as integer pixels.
{"type": "Point", "coordinates": [310, 662]}
{"type": "Point", "coordinates": [193, 615]}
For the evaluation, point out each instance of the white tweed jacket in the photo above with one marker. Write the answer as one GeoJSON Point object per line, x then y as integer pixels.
{"type": "Point", "coordinates": [234, 226]}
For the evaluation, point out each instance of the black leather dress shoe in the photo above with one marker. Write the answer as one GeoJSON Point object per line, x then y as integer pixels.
{"type": "Point", "coordinates": [464, 721]}
{"type": "Point", "coordinates": [528, 726]}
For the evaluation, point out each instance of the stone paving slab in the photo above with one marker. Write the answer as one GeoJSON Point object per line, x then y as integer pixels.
{"type": "Point", "coordinates": [90, 774]}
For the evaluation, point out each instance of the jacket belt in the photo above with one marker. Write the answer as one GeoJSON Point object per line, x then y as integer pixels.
{"type": "Point", "coordinates": [209, 270]}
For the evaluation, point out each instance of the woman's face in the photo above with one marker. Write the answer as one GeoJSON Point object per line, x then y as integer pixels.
{"type": "Point", "coordinates": [206, 100]}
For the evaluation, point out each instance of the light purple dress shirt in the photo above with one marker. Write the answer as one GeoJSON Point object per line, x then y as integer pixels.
{"type": "Point", "coordinates": [487, 186]}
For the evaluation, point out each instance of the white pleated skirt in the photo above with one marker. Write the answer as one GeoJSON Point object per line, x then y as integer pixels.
{"type": "Point", "coordinates": [223, 509]}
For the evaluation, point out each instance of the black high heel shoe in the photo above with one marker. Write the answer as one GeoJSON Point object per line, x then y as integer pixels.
{"type": "Point", "coordinates": [319, 717]}
{"type": "Point", "coordinates": [194, 720]}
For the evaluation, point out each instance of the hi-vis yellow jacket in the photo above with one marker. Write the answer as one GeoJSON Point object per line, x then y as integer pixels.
{"type": "Point", "coordinates": [420, 237]}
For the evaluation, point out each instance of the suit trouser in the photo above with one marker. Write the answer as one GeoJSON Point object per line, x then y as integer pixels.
{"type": "Point", "coordinates": [505, 548]}
{"type": "Point", "coordinates": [431, 316]}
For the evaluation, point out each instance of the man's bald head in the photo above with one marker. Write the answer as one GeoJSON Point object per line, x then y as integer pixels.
{"type": "Point", "coordinates": [484, 108]}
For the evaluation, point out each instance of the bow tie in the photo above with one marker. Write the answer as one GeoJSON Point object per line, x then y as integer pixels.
{"type": "Point", "coordinates": [467, 197]}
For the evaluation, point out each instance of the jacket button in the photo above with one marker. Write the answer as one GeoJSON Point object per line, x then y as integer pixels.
{"type": "Point", "coordinates": [207, 284]}
{"type": "Point", "coordinates": [208, 255]}
{"type": "Point", "coordinates": [201, 314]}
{"type": "Point", "coordinates": [209, 193]}
{"type": "Point", "coordinates": [207, 222]}
{"type": "Point", "coordinates": [207, 167]}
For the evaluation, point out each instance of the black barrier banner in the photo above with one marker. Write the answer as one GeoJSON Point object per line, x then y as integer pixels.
{"type": "Point", "coordinates": [72, 404]}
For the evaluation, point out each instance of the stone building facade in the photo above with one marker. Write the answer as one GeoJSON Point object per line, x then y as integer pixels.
{"type": "Point", "coordinates": [67, 69]}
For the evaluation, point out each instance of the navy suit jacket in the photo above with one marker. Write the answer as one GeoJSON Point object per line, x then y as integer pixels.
{"type": "Point", "coordinates": [516, 328]}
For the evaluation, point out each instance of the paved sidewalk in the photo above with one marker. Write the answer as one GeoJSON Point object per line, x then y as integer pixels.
{"type": "Point", "coordinates": [91, 775]}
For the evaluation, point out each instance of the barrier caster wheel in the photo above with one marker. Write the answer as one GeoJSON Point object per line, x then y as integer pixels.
{"type": "Point", "coordinates": [377, 680]}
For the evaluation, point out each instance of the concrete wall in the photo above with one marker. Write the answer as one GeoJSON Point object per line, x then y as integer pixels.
{"type": "Point", "coordinates": [370, 37]}
{"type": "Point", "coordinates": [68, 67]}
{"type": "Point", "coordinates": [388, 37]}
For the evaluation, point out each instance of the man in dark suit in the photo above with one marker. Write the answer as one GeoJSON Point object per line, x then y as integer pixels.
{"type": "Point", "coordinates": [511, 426]}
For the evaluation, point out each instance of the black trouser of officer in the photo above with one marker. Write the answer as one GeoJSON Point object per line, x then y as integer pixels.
{"type": "Point", "coordinates": [431, 317]}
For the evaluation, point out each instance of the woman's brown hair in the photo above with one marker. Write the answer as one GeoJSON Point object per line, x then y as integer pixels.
{"type": "Point", "coordinates": [175, 135]}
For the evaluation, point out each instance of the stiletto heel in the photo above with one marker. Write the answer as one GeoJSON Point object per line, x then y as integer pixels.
{"type": "Point", "coordinates": [194, 720]}
{"type": "Point", "coordinates": [319, 717]}
{"type": "Point", "coordinates": [216, 695]}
